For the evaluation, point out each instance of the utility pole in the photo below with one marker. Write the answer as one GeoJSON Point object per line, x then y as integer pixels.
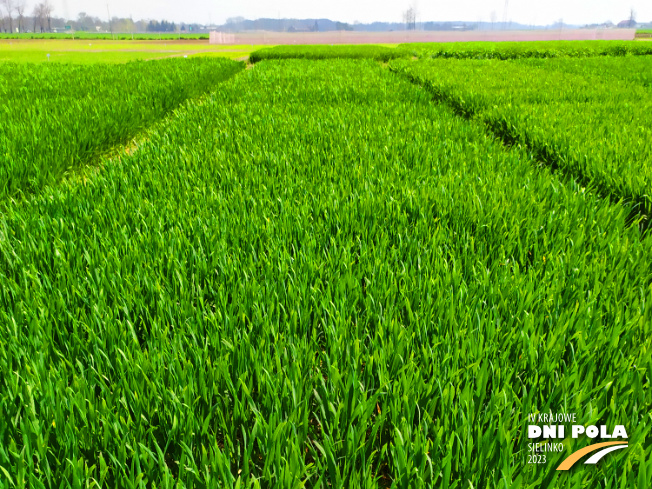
{"type": "Point", "coordinates": [110, 23]}
{"type": "Point", "coordinates": [505, 14]}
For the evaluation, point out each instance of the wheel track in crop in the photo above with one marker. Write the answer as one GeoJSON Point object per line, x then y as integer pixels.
{"type": "Point", "coordinates": [86, 171]}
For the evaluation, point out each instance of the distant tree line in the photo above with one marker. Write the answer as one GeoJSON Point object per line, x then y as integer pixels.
{"type": "Point", "coordinates": [19, 16]}
{"type": "Point", "coordinates": [238, 24]}
{"type": "Point", "coordinates": [16, 17]}
{"type": "Point", "coordinates": [163, 26]}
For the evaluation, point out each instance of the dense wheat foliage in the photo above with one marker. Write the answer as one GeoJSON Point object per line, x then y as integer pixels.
{"type": "Point", "coordinates": [530, 49]}
{"type": "Point", "coordinates": [56, 118]}
{"type": "Point", "coordinates": [318, 277]}
{"type": "Point", "coordinates": [633, 69]}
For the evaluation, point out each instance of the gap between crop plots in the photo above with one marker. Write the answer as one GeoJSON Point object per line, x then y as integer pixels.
{"type": "Point", "coordinates": [316, 277]}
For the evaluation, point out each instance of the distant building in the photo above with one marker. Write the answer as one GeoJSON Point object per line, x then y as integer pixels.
{"type": "Point", "coordinates": [604, 25]}
{"type": "Point", "coordinates": [627, 24]}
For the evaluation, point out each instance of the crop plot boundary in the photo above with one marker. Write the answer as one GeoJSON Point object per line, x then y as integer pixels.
{"type": "Point", "coordinates": [87, 169]}
{"type": "Point", "coordinates": [85, 173]}
{"type": "Point", "coordinates": [504, 131]}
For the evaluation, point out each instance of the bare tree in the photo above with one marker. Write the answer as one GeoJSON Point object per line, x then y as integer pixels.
{"type": "Point", "coordinates": [9, 7]}
{"type": "Point", "coordinates": [39, 17]}
{"type": "Point", "coordinates": [20, 11]}
{"type": "Point", "coordinates": [42, 13]}
{"type": "Point", "coordinates": [47, 13]}
{"type": "Point", "coordinates": [410, 17]}
{"type": "Point", "coordinates": [35, 15]}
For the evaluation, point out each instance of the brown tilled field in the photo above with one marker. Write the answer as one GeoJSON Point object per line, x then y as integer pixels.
{"type": "Point", "coordinates": [398, 37]}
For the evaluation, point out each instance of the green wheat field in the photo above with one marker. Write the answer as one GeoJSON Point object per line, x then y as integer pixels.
{"type": "Point", "coordinates": [325, 267]}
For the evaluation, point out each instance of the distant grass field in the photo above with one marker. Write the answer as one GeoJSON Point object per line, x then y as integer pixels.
{"type": "Point", "coordinates": [107, 51]}
{"type": "Point", "coordinates": [92, 49]}
{"type": "Point", "coordinates": [101, 35]}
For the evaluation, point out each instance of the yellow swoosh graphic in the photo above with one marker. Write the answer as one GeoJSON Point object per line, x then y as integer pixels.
{"type": "Point", "coordinates": [574, 457]}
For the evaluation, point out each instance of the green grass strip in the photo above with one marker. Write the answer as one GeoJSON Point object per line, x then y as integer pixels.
{"type": "Point", "coordinates": [527, 49]}
{"type": "Point", "coordinates": [378, 53]}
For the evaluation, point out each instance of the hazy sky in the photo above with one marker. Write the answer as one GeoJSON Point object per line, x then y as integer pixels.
{"type": "Point", "coordinates": [217, 11]}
